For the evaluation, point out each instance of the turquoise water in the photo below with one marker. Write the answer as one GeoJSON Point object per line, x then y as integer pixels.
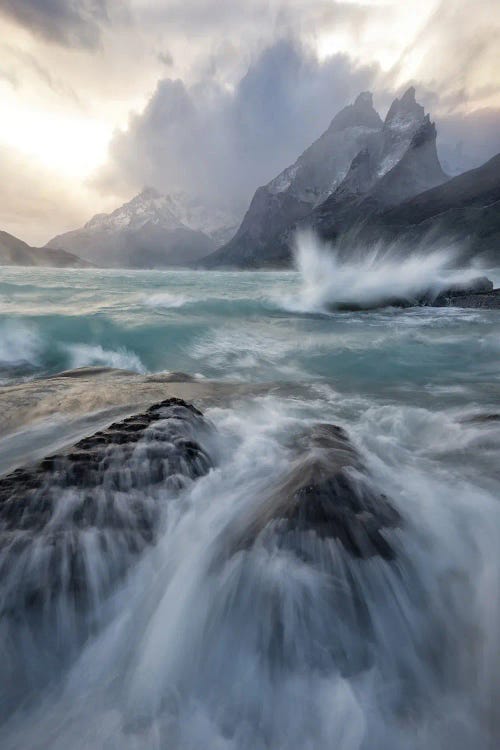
{"type": "Point", "coordinates": [183, 654]}
{"type": "Point", "coordinates": [234, 326]}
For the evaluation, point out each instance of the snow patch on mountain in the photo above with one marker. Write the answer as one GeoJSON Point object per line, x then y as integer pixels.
{"type": "Point", "coordinates": [174, 211]}
{"type": "Point", "coordinates": [147, 207]}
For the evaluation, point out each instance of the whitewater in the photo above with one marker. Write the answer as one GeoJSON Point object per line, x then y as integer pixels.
{"type": "Point", "coordinates": [229, 633]}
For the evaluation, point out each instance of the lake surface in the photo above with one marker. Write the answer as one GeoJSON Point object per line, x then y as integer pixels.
{"type": "Point", "coordinates": [184, 655]}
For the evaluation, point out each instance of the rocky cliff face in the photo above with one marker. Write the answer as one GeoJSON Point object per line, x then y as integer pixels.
{"type": "Point", "coordinates": [295, 192]}
{"type": "Point", "coordinates": [359, 165]}
{"type": "Point", "coordinates": [150, 231]}
{"type": "Point", "coordinates": [400, 164]}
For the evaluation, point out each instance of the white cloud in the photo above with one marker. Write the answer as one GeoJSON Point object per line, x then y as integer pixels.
{"type": "Point", "coordinates": [221, 99]}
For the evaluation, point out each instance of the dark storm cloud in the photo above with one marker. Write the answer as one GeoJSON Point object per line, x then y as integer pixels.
{"type": "Point", "coordinates": [222, 144]}
{"type": "Point", "coordinates": [73, 23]}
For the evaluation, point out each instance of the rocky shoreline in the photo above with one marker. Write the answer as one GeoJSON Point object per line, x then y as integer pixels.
{"type": "Point", "coordinates": [112, 487]}
{"type": "Point", "coordinates": [478, 300]}
{"type": "Point", "coordinates": [477, 293]}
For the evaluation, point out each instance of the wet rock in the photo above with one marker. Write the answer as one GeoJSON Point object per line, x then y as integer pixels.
{"type": "Point", "coordinates": [485, 418]}
{"type": "Point", "coordinates": [480, 300]}
{"type": "Point", "coordinates": [72, 524]}
{"type": "Point", "coordinates": [476, 293]}
{"type": "Point", "coordinates": [328, 522]}
{"type": "Point", "coordinates": [479, 285]}
{"type": "Point", "coordinates": [328, 494]}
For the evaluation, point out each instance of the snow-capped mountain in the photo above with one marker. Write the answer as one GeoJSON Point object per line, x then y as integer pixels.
{"type": "Point", "coordinates": [357, 156]}
{"type": "Point", "coordinates": [151, 230]}
{"type": "Point", "coordinates": [147, 207]}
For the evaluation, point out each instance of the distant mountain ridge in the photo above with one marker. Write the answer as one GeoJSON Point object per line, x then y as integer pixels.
{"type": "Point", "coordinates": [150, 231]}
{"type": "Point", "coordinates": [358, 157]}
{"type": "Point", "coordinates": [15, 252]}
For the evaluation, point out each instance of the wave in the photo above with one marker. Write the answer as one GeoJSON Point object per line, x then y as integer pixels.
{"type": "Point", "coordinates": [167, 299]}
{"type": "Point", "coordinates": [19, 345]}
{"type": "Point", "coordinates": [84, 355]}
{"type": "Point", "coordinates": [369, 277]}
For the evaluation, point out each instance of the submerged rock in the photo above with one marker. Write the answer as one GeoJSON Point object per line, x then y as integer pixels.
{"type": "Point", "coordinates": [72, 524]}
{"type": "Point", "coordinates": [327, 492]}
{"type": "Point", "coordinates": [318, 551]}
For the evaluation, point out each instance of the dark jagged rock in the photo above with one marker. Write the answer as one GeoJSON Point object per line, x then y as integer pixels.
{"type": "Point", "coordinates": [482, 300]}
{"type": "Point", "coordinates": [327, 493]}
{"type": "Point", "coordinates": [72, 526]}
{"type": "Point", "coordinates": [476, 293]}
{"type": "Point", "coordinates": [75, 521]}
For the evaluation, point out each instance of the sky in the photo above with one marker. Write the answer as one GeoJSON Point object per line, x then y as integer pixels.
{"type": "Point", "coordinates": [99, 98]}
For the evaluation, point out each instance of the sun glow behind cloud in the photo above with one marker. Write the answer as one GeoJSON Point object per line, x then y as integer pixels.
{"type": "Point", "coordinates": [68, 84]}
{"type": "Point", "coordinates": [392, 27]}
{"type": "Point", "coordinates": [70, 145]}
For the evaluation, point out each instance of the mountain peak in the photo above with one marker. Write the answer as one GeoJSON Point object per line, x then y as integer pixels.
{"type": "Point", "coordinates": [359, 114]}
{"type": "Point", "coordinates": [365, 99]}
{"type": "Point", "coordinates": [405, 110]}
{"type": "Point", "coordinates": [409, 96]}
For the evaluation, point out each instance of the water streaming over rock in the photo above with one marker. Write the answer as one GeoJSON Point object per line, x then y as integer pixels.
{"type": "Point", "coordinates": [312, 568]}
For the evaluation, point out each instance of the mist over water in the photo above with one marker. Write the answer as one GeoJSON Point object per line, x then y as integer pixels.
{"type": "Point", "coordinates": [281, 644]}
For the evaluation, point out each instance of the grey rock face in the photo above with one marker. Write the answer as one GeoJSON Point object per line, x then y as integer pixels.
{"type": "Point", "coordinates": [401, 164]}
{"type": "Point", "coordinates": [76, 521]}
{"type": "Point", "coordinates": [295, 192]}
{"type": "Point", "coordinates": [358, 166]}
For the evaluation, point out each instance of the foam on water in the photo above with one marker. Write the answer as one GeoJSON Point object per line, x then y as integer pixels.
{"type": "Point", "coordinates": [369, 279]}
{"type": "Point", "coordinates": [265, 648]}
{"type": "Point", "coordinates": [166, 299]}
{"type": "Point", "coordinates": [19, 344]}
{"type": "Point", "coordinates": [236, 653]}
{"type": "Point", "coordinates": [232, 326]}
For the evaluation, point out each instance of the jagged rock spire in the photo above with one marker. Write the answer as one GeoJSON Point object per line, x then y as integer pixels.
{"type": "Point", "coordinates": [360, 113]}
{"type": "Point", "coordinates": [406, 109]}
